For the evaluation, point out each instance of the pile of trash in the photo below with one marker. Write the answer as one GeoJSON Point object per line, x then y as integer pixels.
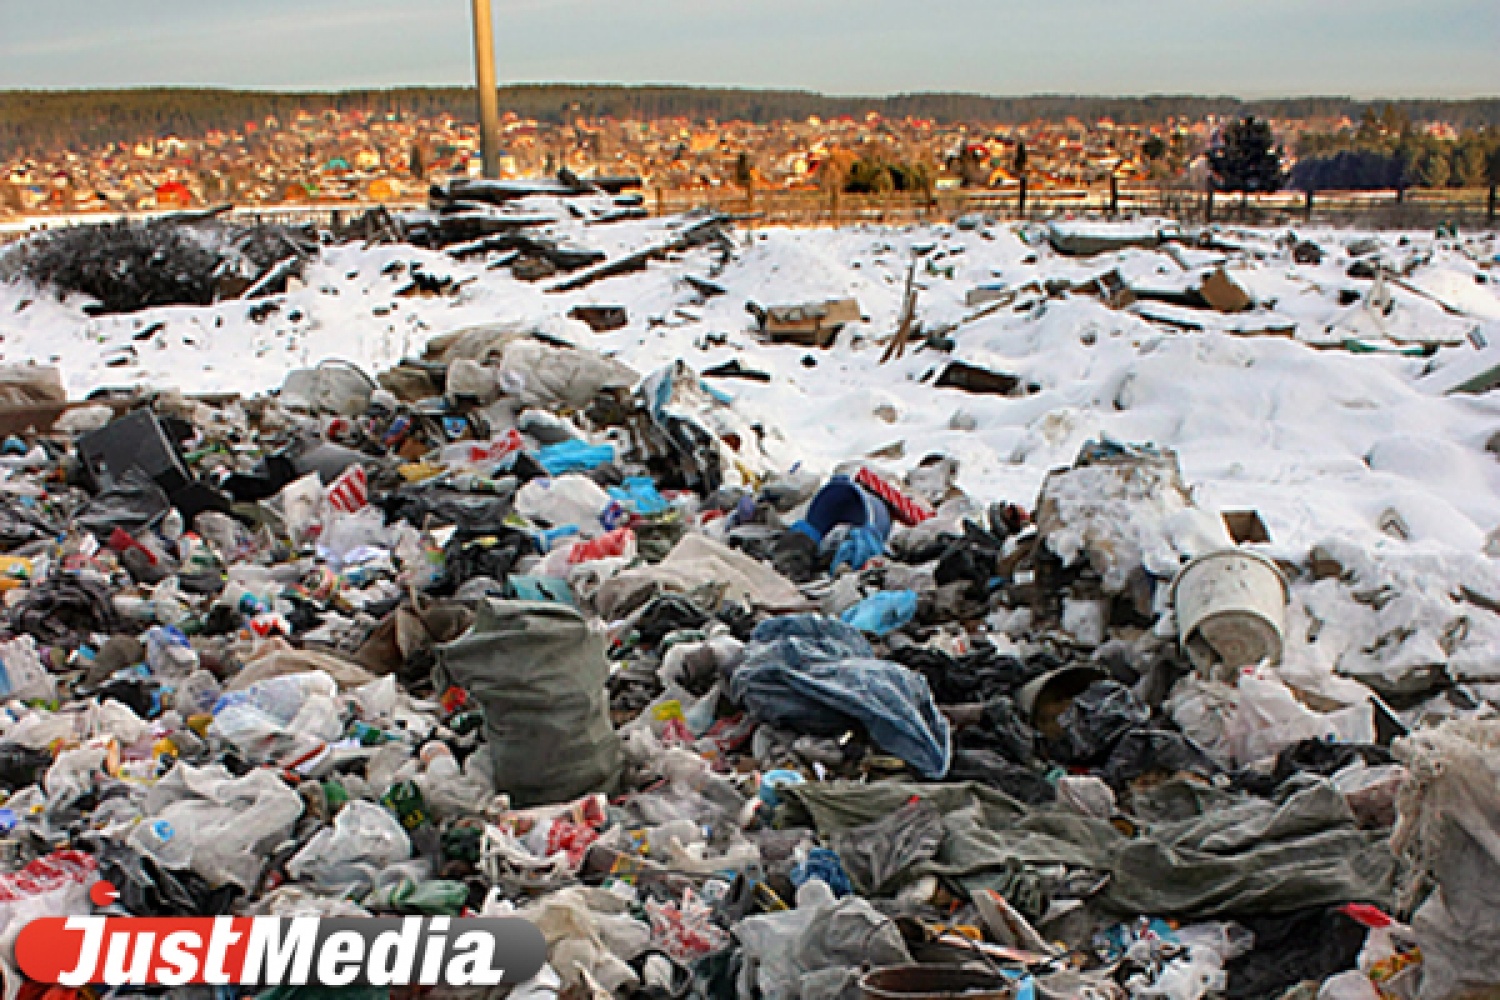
{"type": "Point", "coordinates": [514, 628]}
{"type": "Point", "coordinates": [195, 259]}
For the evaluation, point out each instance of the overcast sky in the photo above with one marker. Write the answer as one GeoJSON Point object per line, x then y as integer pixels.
{"type": "Point", "coordinates": [1252, 48]}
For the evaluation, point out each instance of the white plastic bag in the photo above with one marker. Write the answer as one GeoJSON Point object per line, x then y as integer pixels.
{"type": "Point", "coordinates": [300, 504]}
{"type": "Point", "coordinates": [1205, 711]}
{"type": "Point", "coordinates": [1351, 985]}
{"type": "Point", "coordinates": [1271, 718]}
{"type": "Point", "coordinates": [22, 675]}
{"type": "Point", "coordinates": [230, 824]}
{"type": "Point", "coordinates": [569, 499]}
{"type": "Point", "coordinates": [364, 839]}
{"type": "Point", "coordinates": [363, 532]}
{"type": "Point", "coordinates": [590, 932]}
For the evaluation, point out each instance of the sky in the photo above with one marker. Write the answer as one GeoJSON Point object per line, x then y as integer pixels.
{"type": "Point", "coordinates": [1249, 48]}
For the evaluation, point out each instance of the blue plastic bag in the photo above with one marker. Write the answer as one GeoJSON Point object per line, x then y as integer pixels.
{"type": "Point", "coordinates": [539, 588]}
{"type": "Point", "coordinates": [817, 675]}
{"type": "Point", "coordinates": [857, 549]}
{"type": "Point", "coordinates": [640, 495]}
{"type": "Point", "coordinates": [574, 456]}
{"type": "Point", "coordinates": [823, 864]}
{"type": "Point", "coordinates": [883, 613]}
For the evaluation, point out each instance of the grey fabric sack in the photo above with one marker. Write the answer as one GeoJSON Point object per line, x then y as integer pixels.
{"type": "Point", "coordinates": [539, 673]}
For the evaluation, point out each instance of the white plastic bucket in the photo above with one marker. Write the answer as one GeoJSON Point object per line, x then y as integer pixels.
{"type": "Point", "coordinates": [1231, 611]}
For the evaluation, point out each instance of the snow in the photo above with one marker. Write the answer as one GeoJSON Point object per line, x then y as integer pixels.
{"type": "Point", "coordinates": [1325, 443]}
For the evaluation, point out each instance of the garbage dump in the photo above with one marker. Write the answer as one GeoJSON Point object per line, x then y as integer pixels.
{"type": "Point", "coordinates": [510, 626]}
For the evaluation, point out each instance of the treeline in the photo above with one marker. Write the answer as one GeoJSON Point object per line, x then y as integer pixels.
{"type": "Point", "coordinates": [37, 121]}
{"type": "Point", "coordinates": [1386, 152]}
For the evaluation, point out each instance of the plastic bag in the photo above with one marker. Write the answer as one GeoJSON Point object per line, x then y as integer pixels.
{"type": "Point", "coordinates": [433, 897]}
{"type": "Point", "coordinates": [22, 675]}
{"type": "Point", "coordinates": [768, 939]}
{"type": "Point", "coordinates": [787, 952]}
{"type": "Point", "coordinates": [1351, 985]}
{"type": "Point", "coordinates": [319, 716]}
{"type": "Point", "coordinates": [197, 694]}
{"type": "Point", "coordinates": [169, 654]}
{"type": "Point", "coordinates": [158, 839]}
{"type": "Point", "coordinates": [883, 613]}
{"type": "Point", "coordinates": [856, 550]}
{"type": "Point", "coordinates": [231, 824]}
{"type": "Point", "coordinates": [812, 675]}
{"type": "Point", "coordinates": [1096, 720]}
{"type": "Point", "coordinates": [1270, 718]}
{"type": "Point", "coordinates": [300, 504]}
{"type": "Point", "coordinates": [590, 932]}
{"type": "Point", "coordinates": [451, 791]}
{"type": "Point", "coordinates": [617, 544]}
{"type": "Point", "coordinates": [1204, 711]}
{"type": "Point", "coordinates": [574, 456]}
{"type": "Point", "coordinates": [1189, 978]}
{"type": "Point", "coordinates": [282, 697]}
{"type": "Point", "coordinates": [564, 500]}
{"type": "Point", "coordinates": [1086, 795]}
{"type": "Point", "coordinates": [364, 838]}
{"type": "Point", "coordinates": [268, 708]}
{"type": "Point", "coordinates": [639, 495]}
{"type": "Point", "coordinates": [52, 886]}
{"type": "Point", "coordinates": [685, 930]}
{"type": "Point", "coordinates": [345, 534]}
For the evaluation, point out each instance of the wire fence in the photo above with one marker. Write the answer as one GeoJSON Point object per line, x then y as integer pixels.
{"type": "Point", "coordinates": [1466, 210]}
{"type": "Point", "coordinates": [1463, 209]}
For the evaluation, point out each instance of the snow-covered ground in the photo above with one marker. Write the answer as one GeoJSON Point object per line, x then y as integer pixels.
{"type": "Point", "coordinates": [1327, 444]}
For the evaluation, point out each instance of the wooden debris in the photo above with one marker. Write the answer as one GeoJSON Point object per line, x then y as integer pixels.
{"type": "Point", "coordinates": [601, 319]}
{"type": "Point", "coordinates": [811, 324]}
{"type": "Point", "coordinates": [1221, 292]}
{"type": "Point", "coordinates": [698, 232]}
{"type": "Point", "coordinates": [897, 347]}
{"type": "Point", "coordinates": [982, 381]}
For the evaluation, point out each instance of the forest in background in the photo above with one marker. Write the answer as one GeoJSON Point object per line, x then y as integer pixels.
{"type": "Point", "coordinates": [37, 121]}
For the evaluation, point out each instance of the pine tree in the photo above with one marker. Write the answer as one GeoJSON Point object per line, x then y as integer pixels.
{"type": "Point", "coordinates": [1432, 167]}
{"type": "Point", "coordinates": [1246, 158]}
{"type": "Point", "coordinates": [1470, 161]}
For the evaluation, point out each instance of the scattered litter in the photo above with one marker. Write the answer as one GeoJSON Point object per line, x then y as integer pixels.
{"type": "Point", "coordinates": [734, 689]}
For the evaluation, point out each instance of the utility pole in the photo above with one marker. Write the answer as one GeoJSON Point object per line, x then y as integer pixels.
{"type": "Point", "coordinates": [489, 104]}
